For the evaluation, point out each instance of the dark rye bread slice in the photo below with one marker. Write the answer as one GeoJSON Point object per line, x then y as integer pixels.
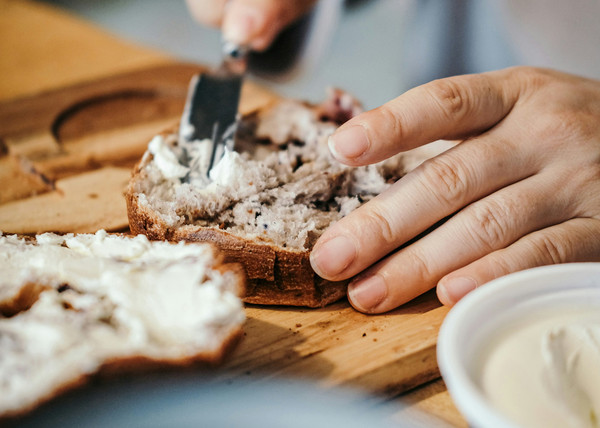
{"type": "Point", "coordinates": [76, 306]}
{"type": "Point", "coordinates": [266, 204]}
{"type": "Point", "coordinates": [275, 275]}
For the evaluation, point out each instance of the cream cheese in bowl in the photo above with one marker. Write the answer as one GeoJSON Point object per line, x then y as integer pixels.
{"type": "Point", "coordinates": [524, 350]}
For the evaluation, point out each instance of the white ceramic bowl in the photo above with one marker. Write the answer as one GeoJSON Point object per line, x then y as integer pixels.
{"type": "Point", "coordinates": [483, 312]}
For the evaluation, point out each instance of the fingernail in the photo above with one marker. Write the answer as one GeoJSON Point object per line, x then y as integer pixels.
{"type": "Point", "coordinates": [454, 289]}
{"type": "Point", "coordinates": [241, 24]}
{"type": "Point", "coordinates": [333, 257]}
{"type": "Point", "coordinates": [366, 294]}
{"type": "Point", "coordinates": [349, 143]}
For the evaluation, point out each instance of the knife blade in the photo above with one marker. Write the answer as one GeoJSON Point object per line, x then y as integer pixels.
{"type": "Point", "coordinates": [211, 108]}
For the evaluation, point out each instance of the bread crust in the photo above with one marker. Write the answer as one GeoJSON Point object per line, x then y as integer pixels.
{"type": "Point", "coordinates": [275, 275]}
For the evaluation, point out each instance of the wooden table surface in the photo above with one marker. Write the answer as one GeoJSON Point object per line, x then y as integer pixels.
{"type": "Point", "coordinates": [45, 49]}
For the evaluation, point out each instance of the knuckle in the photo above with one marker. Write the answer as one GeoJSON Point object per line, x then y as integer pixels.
{"type": "Point", "coordinates": [420, 267]}
{"type": "Point", "coordinates": [501, 264]}
{"type": "Point", "coordinates": [383, 227]}
{"type": "Point", "coordinates": [386, 118]}
{"type": "Point", "coordinates": [549, 249]}
{"type": "Point", "coordinates": [447, 177]}
{"type": "Point", "coordinates": [451, 96]}
{"type": "Point", "coordinates": [491, 226]}
{"type": "Point", "coordinates": [377, 221]}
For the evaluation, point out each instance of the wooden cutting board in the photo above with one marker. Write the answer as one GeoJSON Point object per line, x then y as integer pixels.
{"type": "Point", "coordinates": [65, 157]}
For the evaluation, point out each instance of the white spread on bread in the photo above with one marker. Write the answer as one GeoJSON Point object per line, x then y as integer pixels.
{"type": "Point", "coordinates": [103, 298]}
{"type": "Point", "coordinates": [284, 187]}
{"type": "Point", "coordinates": [166, 160]}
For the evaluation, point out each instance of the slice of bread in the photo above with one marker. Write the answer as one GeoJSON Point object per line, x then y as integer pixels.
{"type": "Point", "coordinates": [75, 305]}
{"type": "Point", "coordinates": [265, 204]}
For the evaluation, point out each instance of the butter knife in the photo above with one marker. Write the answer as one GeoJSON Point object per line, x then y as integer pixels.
{"type": "Point", "coordinates": [211, 108]}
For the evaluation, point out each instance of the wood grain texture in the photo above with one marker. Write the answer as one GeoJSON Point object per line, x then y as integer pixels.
{"type": "Point", "coordinates": [82, 203]}
{"type": "Point", "coordinates": [44, 48]}
{"type": "Point", "coordinates": [337, 346]}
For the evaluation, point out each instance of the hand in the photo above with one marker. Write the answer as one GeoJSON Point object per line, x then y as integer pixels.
{"type": "Point", "coordinates": [253, 23]}
{"type": "Point", "coordinates": [522, 187]}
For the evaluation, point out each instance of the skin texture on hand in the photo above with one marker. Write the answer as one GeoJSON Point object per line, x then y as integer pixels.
{"type": "Point", "coordinates": [521, 189]}
{"type": "Point", "coordinates": [252, 23]}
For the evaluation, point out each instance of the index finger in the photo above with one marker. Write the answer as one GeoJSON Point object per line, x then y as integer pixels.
{"type": "Point", "coordinates": [450, 108]}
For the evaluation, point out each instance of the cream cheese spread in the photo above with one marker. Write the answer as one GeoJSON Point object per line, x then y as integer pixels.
{"type": "Point", "coordinates": [134, 274]}
{"type": "Point", "coordinates": [165, 159]}
{"type": "Point", "coordinates": [546, 373]}
{"type": "Point", "coordinates": [104, 297]}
